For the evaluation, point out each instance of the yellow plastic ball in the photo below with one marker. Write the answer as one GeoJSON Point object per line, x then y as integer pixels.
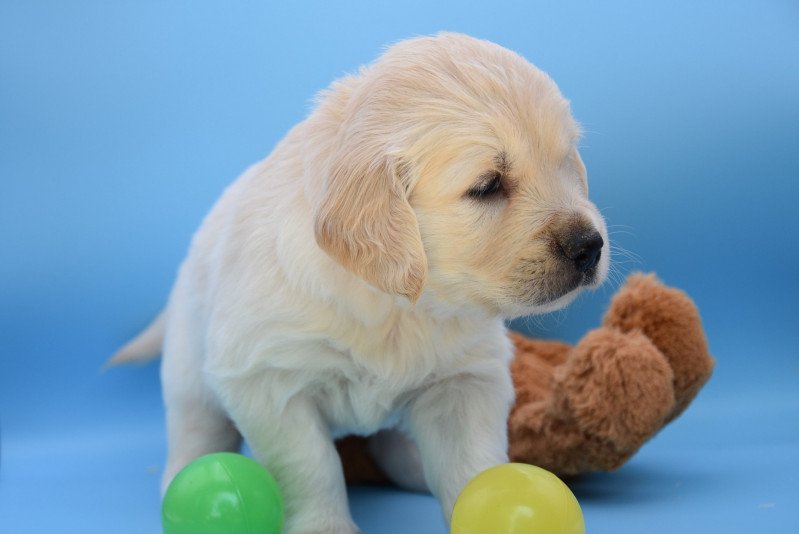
{"type": "Point", "coordinates": [517, 499]}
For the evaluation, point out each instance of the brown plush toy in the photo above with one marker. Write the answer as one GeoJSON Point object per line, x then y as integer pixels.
{"type": "Point", "coordinates": [591, 406]}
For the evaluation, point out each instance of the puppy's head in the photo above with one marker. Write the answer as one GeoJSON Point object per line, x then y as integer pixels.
{"type": "Point", "coordinates": [455, 171]}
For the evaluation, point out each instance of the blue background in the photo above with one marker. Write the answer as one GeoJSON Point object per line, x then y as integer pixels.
{"type": "Point", "coordinates": [121, 122]}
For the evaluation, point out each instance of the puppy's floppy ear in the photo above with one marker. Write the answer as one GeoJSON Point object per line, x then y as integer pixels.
{"type": "Point", "coordinates": [365, 222]}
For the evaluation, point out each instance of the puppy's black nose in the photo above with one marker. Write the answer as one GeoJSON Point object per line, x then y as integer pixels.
{"type": "Point", "coordinates": [582, 248]}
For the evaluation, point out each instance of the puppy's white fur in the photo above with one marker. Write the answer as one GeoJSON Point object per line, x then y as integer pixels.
{"type": "Point", "coordinates": [350, 283]}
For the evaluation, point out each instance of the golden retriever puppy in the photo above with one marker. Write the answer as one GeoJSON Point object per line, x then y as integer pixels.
{"type": "Point", "coordinates": [357, 279]}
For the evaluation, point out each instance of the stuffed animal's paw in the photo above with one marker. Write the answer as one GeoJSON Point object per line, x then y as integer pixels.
{"type": "Point", "coordinates": [617, 388]}
{"type": "Point", "coordinates": [671, 321]}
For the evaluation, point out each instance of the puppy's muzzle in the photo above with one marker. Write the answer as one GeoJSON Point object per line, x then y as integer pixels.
{"type": "Point", "coordinates": [575, 248]}
{"type": "Point", "coordinates": [581, 246]}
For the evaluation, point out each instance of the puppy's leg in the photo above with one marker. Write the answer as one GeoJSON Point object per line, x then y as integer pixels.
{"type": "Point", "coordinates": [289, 436]}
{"type": "Point", "coordinates": [194, 429]}
{"type": "Point", "coordinates": [460, 426]}
{"type": "Point", "coordinates": [195, 423]}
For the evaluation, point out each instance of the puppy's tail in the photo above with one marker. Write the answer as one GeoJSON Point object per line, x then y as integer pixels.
{"type": "Point", "coordinates": [142, 348]}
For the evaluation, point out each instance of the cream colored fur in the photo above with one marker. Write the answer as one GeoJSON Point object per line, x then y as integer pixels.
{"type": "Point", "coordinates": [348, 283]}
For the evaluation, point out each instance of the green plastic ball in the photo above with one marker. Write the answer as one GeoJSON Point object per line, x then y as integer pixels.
{"type": "Point", "coordinates": [517, 499]}
{"type": "Point", "coordinates": [223, 493]}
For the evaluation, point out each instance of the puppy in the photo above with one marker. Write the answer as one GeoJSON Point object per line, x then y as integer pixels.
{"type": "Point", "coordinates": [357, 279]}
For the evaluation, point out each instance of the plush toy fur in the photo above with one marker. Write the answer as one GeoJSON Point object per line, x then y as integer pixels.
{"type": "Point", "coordinates": [591, 406]}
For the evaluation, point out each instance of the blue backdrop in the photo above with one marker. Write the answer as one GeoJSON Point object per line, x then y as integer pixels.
{"type": "Point", "coordinates": [121, 122]}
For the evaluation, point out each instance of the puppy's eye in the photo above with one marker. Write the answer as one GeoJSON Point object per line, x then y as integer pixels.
{"type": "Point", "coordinates": [489, 187]}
